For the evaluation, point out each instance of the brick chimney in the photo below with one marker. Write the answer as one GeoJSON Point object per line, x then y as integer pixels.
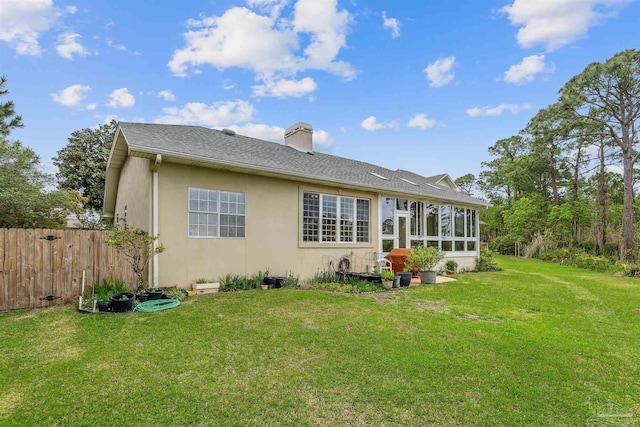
{"type": "Point", "coordinates": [299, 136]}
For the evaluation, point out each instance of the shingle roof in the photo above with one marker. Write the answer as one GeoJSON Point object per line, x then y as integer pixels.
{"type": "Point", "coordinates": [216, 147]}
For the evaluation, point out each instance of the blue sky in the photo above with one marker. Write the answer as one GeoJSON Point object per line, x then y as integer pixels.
{"type": "Point", "coordinates": [420, 85]}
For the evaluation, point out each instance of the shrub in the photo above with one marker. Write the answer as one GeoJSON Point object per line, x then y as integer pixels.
{"type": "Point", "coordinates": [323, 277]}
{"type": "Point", "coordinates": [485, 261]}
{"type": "Point", "coordinates": [423, 259]}
{"type": "Point", "coordinates": [235, 282]}
{"type": "Point", "coordinates": [137, 246]}
{"type": "Point", "coordinates": [451, 266]}
{"type": "Point", "coordinates": [578, 258]}
{"type": "Point", "coordinates": [387, 275]}
{"type": "Point", "coordinates": [291, 282]}
{"type": "Point", "coordinates": [103, 291]}
{"type": "Point", "coordinates": [540, 244]}
{"type": "Point", "coordinates": [504, 244]}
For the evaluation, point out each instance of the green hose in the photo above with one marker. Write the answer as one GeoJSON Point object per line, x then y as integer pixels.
{"type": "Point", "coordinates": [152, 306]}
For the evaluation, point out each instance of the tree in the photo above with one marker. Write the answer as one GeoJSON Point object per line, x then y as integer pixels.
{"type": "Point", "coordinates": [23, 201]}
{"type": "Point", "coordinates": [466, 182]}
{"type": "Point", "coordinates": [137, 246]}
{"type": "Point", "coordinates": [609, 94]}
{"type": "Point", "coordinates": [8, 117]}
{"type": "Point", "coordinates": [82, 163]}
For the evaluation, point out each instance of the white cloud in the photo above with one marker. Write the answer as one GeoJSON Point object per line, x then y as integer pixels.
{"type": "Point", "coordinates": [269, 45]}
{"type": "Point", "coordinates": [421, 121]}
{"type": "Point", "coordinates": [497, 111]}
{"type": "Point", "coordinates": [22, 21]}
{"type": "Point", "coordinates": [321, 138]}
{"type": "Point", "coordinates": [228, 84]}
{"type": "Point", "coordinates": [439, 73]}
{"type": "Point", "coordinates": [216, 114]}
{"type": "Point", "coordinates": [556, 23]}
{"type": "Point", "coordinates": [67, 45]}
{"type": "Point", "coordinates": [371, 124]}
{"type": "Point", "coordinates": [121, 98]}
{"type": "Point", "coordinates": [260, 131]}
{"type": "Point", "coordinates": [167, 95]}
{"type": "Point", "coordinates": [120, 46]}
{"type": "Point", "coordinates": [327, 29]}
{"type": "Point", "coordinates": [91, 106]}
{"type": "Point", "coordinates": [391, 23]}
{"type": "Point", "coordinates": [526, 71]}
{"type": "Point", "coordinates": [238, 38]}
{"type": "Point", "coordinates": [71, 96]}
{"type": "Point", "coordinates": [286, 88]}
{"type": "Point", "coordinates": [71, 10]}
{"type": "Point", "coordinates": [273, 7]}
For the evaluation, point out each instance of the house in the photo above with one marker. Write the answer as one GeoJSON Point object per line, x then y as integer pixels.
{"type": "Point", "coordinates": [226, 203]}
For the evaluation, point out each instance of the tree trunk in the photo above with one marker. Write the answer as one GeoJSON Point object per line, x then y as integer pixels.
{"type": "Point", "coordinates": [628, 246]}
{"type": "Point", "coordinates": [575, 189]}
{"type": "Point", "coordinates": [602, 202]}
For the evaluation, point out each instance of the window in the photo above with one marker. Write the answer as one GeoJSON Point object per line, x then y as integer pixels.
{"type": "Point", "coordinates": [363, 221]}
{"type": "Point", "coordinates": [344, 219]}
{"type": "Point", "coordinates": [329, 215]}
{"type": "Point", "coordinates": [402, 204]}
{"type": "Point", "coordinates": [310, 217]}
{"type": "Point", "coordinates": [458, 222]}
{"type": "Point", "coordinates": [417, 218]}
{"type": "Point", "coordinates": [432, 220]}
{"type": "Point", "coordinates": [445, 221]}
{"type": "Point", "coordinates": [387, 216]}
{"type": "Point", "coordinates": [471, 223]}
{"type": "Point", "coordinates": [214, 213]}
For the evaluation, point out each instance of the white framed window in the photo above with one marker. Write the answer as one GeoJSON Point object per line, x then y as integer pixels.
{"type": "Point", "coordinates": [331, 219]}
{"type": "Point", "coordinates": [445, 226]}
{"type": "Point", "coordinates": [216, 214]}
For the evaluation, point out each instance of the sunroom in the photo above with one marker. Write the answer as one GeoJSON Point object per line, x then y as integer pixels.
{"type": "Point", "coordinates": [406, 223]}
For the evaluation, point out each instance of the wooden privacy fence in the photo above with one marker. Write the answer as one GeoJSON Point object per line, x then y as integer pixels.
{"type": "Point", "coordinates": [35, 264]}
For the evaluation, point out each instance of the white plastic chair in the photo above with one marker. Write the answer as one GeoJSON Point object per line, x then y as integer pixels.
{"type": "Point", "coordinates": [384, 264]}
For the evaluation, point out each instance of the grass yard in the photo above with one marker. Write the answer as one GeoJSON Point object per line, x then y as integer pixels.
{"type": "Point", "coordinates": [536, 344]}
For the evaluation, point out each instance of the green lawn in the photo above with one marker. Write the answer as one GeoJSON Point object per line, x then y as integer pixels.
{"type": "Point", "coordinates": [535, 344]}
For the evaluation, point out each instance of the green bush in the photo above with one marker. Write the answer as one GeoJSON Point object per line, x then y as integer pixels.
{"type": "Point", "coordinates": [485, 261]}
{"type": "Point", "coordinates": [387, 275]}
{"type": "Point", "coordinates": [103, 291]}
{"type": "Point", "coordinates": [323, 277]}
{"type": "Point", "coordinates": [540, 244]}
{"type": "Point", "coordinates": [291, 282]}
{"type": "Point", "coordinates": [236, 282]}
{"type": "Point", "coordinates": [504, 244]}
{"type": "Point", "coordinates": [578, 258]}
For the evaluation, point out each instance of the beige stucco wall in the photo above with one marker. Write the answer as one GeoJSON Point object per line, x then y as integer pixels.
{"type": "Point", "coordinates": [134, 192]}
{"type": "Point", "coordinates": [272, 228]}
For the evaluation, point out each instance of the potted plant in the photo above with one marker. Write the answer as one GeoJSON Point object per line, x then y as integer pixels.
{"type": "Point", "coordinates": [142, 296]}
{"type": "Point", "coordinates": [154, 293]}
{"type": "Point", "coordinates": [122, 301]}
{"type": "Point", "coordinates": [424, 261]}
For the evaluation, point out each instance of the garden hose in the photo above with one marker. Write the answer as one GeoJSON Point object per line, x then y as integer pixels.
{"type": "Point", "coordinates": [156, 305]}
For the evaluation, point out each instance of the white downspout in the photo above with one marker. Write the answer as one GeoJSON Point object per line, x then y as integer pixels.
{"type": "Point", "coordinates": [156, 266]}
